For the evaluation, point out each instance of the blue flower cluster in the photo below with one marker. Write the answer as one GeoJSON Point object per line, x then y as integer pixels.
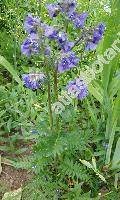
{"type": "Point", "coordinates": [53, 9]}
{"type": "Point", "coordinates": [97, 36]}
{"type": "Point", "coordinates": [67, 7]}
{"type": "Point", "coordinates": [77, 88]}
{"type": "Point", "coordinates": [32, 80]}
{"type": "Point", "coordinates": [68, 61]}
{"type": "Point", "coordinates": [29, 46]}
{"type": "Point", "coordinates": [38, 31]}
{"type": "Point", "coordinates": [62, 40]}
{"type": "Point", "coordinates": [78, 20]}
{"type": "Point", "coordinates": [32, 24]}
{"type": "Point", "coordinates": [50, 32]}
{"type": "Point", "coordinates": [31, 43]}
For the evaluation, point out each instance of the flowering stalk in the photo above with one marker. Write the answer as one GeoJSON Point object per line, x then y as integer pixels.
{"type": "Point", "coordinates": [49, 100]}
{"type": "Point", "coordinates": [39, 10]}
{"type": "Point", "coordinates": [39, 40]}
{"type": "Point", "coordinates": [56, 96]}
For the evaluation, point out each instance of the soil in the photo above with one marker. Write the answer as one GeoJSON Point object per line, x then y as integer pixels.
{"type": "Point", "coordinates": [12, 179]}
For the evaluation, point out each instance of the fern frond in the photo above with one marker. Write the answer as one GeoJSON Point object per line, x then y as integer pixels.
{"type": "Point", "coordinates": [74, 170]}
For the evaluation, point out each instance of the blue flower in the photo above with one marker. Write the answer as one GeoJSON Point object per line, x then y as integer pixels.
{"type": "Point", "coordinates": [67, 6]}
{"type": "Point", "coordinates": [79, 20]}
{"type": "Point", "coordinates": [64, 43]}
{"type": "Point", "coordinates": [32, 80]}
{"type": "Point", "coordinates": [72, 15]}
{"type": "Point", "coordinates": [98, 33]}
{"type": "Point", "coordinates": [101, 28]}
{"type": "Point", "coordinates": [53, 9]}
{"type": "Point", "coordinates": [31, 24]}
{"type": "Point", "coordinates": [50, 32]}
{"type": "Point", "coordinates": [47, 51]}
{"type": "Point", "coordinates": [61, 38]}
{"type": "Point", "coordinates": [29, 46]}
{"type": "Point", "coordinates": [105, 145]}
{"type": "Point", "coordinates": [90, 46]}
{"type": "Point", "coordinates": [97, 36]}
{"type": "Point", "coordinates": [34, 36]}
{"type": "Point", "coordinates": [34, 131]}
{"type": "Point", "coordinates": [73, 59]}
{"type": "Point", "coordinates": [67, 46]}
{"type": "Point", "coordinates": [64, 65]}
{"type": "Point", "coordinates": [77, 88]}
{"type": "Point", "coordinates": [31, 84]}
{"type": "Point", "coordinates": [67, 62]}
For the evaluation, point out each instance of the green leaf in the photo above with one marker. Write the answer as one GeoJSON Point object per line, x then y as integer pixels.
{"type": "Point", "coordinates": [114, 86]}
{"type": "Point", "coordinates": [116, 108]}
{"type": "Point", "coordinates": [94, 91]}
{"type": "Point", "coordinates": [86, 163]}
{"type": "Point", "coordinates": [2, 113]}
{"type": "Point", "coordinates": [116, 156]}
{"type": "Point", "coordinates": [92, 114]}
{"type": "Point", "coordinates": [116, 181]}
{"type": "Point", "coordinates": [12, 71]}
{"type": "Point", "coordinates": [101, 177]}
{"type": "Point", "coordinates": [111, 140]}
{"type": "Point", "coordinates": [94, 163]}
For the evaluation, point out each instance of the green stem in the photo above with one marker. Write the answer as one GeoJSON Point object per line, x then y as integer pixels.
{"type": "Point", "coordinates": [14, 55]}
{"type": "Point", "coordinates": [49, 102]}
{"type": "Point", "coordinates": [15, 35]}
{"type": "Point", "coordinates": [39, 8]}
{"type": "Point", "coordinates": [56, 96]}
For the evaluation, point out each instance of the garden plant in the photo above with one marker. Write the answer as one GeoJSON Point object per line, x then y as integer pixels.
{"type": "Point", "coordinates": [60, 100]}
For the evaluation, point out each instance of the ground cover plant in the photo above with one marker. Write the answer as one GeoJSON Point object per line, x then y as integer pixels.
{"type": "Point", "coordinates": [60, 100]}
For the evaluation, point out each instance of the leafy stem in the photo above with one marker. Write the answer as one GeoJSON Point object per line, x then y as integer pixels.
{"type": "Point", "coordinates": [56, 95]}
{"type": "Point", "coordinates": [49, 100]}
